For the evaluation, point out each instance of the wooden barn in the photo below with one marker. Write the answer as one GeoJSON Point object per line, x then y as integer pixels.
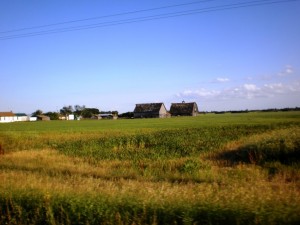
{"type": "Point", "coordinates": [150, 110]}
{"type": "Point", "coordinates": [184, 109]}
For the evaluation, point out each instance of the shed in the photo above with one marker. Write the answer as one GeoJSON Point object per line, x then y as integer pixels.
{"type": "Point", "coordinates": [33, 118]}
{"type": "Point", "coordinates": [184, 109]}
{"type": "Point", "coordinates": [108, 116]}
{"type": "Point", "coordinates": [150, 110]}
{"type": "Point", "coordinates": [71, 117]}
{"type": "Point", "coordinates": [6, 117]}
{"type": "Point", "coordinates": [43, 118]}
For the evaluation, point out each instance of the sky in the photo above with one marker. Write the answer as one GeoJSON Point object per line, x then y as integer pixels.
{"type": "Point", "coordinates": [123, 52]}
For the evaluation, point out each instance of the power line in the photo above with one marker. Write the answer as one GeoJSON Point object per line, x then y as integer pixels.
{"type": "Point", "coordinates": [139, 19]}
{"type": "Point", "coordinates": [148, 18]}
{"type": "Point", "coordinates": [106, 16]}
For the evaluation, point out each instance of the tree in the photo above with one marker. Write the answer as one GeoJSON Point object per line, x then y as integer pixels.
{"type": "Point", "coordinates": [127, 115]}
{"type": "Point", "coordinates": [89, 112]}
{"type": "Point", "coordinates": [37, 113]}
{"type": "Point", "coordinates": [78, 110]}
{"type": "Point", "coordinates": [66, 110]}
{"type": "Point", "coordinates": [52, 115]}
{"type": "Point", "coordinates": [115, 113]}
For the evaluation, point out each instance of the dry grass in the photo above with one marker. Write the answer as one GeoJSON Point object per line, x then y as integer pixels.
{"type": "Point", "coordinates": [242, 189]}
{"type": "Point", "coordinates": [49, 171]}
{"type": "Point", "coordinates": [222, 185]}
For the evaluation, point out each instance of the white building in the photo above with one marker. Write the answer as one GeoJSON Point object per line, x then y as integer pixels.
{"type": "Point", "coordinates": [71, 117]}
{"type": "Point", "coordinates": [21, 117]}
{"type": "Point", "coordinates": [7, 117]}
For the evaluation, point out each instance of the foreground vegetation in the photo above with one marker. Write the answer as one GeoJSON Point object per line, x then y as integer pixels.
{"type": "Point", "coordinates": [210, 169]}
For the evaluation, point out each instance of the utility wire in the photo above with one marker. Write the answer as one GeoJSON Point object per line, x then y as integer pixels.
{"type": "Point", "coordinates": [148, 18]}
{"type": "Point", "coordinates": [139, 19]}
{"type": "Point", "coordinates": [106, 16]}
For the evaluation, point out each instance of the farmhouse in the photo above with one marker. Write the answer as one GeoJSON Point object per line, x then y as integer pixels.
{"type": "Point", "coordinates": [184, 109]}
{"type": "Point", "coordinates": [6, 117]}
{"type": "Point", "coordinates": [21, 117]}
{"type": "Point", "coordinates": [150, 110]}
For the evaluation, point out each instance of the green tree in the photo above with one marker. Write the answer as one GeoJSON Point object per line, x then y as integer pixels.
{"type": "Point", "coordinates": [37, 113]}
{"type": "Point", "coordinates": [52, 115]}
{"type": "Point", "coordinates": [89, 112]}
{"type": "Point", "coordinates": [67, 110]}
{"type": "Point", "coordinates": [115, 113]}
{"type": "Point", "coordinates": [79, 109]}
{"type": "Point", "coordinates": [127, 115]}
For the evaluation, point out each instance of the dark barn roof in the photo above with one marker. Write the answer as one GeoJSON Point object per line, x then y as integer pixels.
{"type": "Point", "coordinates": [183, 109]}
{"type": "Point", "coordinates": [148, 108]}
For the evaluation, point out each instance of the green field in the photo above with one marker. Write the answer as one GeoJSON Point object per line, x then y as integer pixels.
{"type": "Point", "coordinates": [239, 168]}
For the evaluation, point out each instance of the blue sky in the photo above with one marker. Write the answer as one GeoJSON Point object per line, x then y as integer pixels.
{"type": "Point", "coordinates": [242, 58]}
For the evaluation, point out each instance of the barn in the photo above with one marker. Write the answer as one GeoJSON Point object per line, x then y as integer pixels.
{"type": "Point", "coordinates": [184, 109]}
{"type": "Point", "coordinates": [150, 110]}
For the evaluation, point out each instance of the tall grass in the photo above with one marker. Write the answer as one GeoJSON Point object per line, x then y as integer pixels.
{"type": "Point", "coordinates": [163, 144]}
{"type": "Point", "coordinates": [211, 169]}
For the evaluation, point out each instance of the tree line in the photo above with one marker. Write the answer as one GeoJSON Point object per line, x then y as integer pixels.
{"type": "Point", "coordinates": [78, 111]}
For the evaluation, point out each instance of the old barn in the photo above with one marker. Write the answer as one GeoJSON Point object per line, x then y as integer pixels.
{"type": "Point", "coordinates": [184, 109]}
{"type": "Point", "coordinates": [150, 110]}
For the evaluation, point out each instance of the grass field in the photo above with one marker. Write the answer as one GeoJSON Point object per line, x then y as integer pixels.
{"type": "Point", "coordinates": [238, 168]}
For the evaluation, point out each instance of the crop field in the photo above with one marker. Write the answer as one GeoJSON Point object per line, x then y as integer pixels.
{"type": "Point", "coordinates": [238, 168]}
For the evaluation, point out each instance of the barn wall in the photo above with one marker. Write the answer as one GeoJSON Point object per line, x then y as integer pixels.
{"type": "Point", "coordinates": [146, 115]}
{"type": "Point", "coordinates": [163, 112]}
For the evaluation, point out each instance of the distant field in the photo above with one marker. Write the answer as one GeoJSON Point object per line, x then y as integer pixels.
{"type": "Point", "coordinates": [134, 125]}
{"type": "Point", "coordinates": [240, 168]}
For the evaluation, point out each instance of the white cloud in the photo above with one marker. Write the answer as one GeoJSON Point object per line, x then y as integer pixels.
{"type": "Point", "coordinates": [250, 87]}
{"type": "Point", "coordinates": [288, 70]}
{"type": "Point", "coordinates": [222, 79]}
{"type": "Point", "coordinates": [277, 90]}
{"type": "Point", "coordinates": [245, 91]}
{"type": "Point", "coordinates": [199, 93]}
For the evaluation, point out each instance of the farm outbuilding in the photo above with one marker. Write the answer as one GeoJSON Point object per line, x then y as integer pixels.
{"type": "Point", "coordinates": [43, 118]}
{"type": "Point", "coordinates": [150, 110]}
{"type": "Point", "coordinates": [108, 116]}
{"type": "Point", "coordinates": [184, 109]}
{"type": "Point", "coordinates": [7, 117]}
{"type": "Point", "coordinates": [21, 117]}
{"type": "Point", "coordinates": [71, 117]}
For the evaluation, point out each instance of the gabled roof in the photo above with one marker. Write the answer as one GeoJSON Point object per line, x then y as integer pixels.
{"type": "Point", "coordinates": [148, 108]}
{"type": "Point", "coordinates": [6, 114]}
{"type": "Point", "coordinates": [183, 108]}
